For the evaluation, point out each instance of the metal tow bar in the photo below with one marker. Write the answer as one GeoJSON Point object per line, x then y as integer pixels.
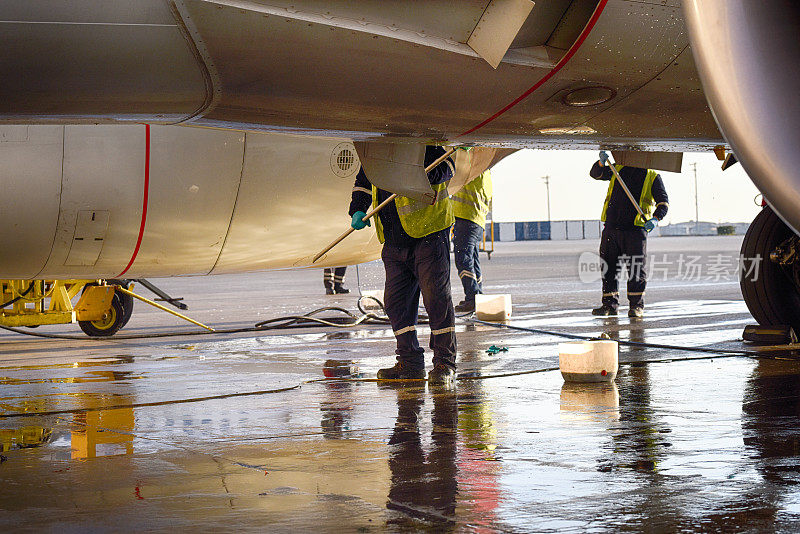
{"type": "Point", "coordinates": [163, 308]}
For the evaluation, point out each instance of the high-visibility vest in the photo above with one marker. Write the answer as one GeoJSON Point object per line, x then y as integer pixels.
{"type": "Point", "coordinates": [420, 218]}
{"type": "Point", "coordinates": [646, 200]}
{"type": "Point", "coordinates": [472, 202]}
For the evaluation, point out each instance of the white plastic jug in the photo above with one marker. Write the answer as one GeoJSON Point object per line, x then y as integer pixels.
{"type": "Point", "coordinates": [493, 307]}
{"type": "Point", "coordinates": [588, 361]}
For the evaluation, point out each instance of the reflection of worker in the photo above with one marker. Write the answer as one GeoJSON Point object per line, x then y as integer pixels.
{"type": "Point", "coordinates": [336, 409]}
{"type": "Point", "coordinates": [470, 206]}
{"type": "Point", "coordinates": [416, 256]}
{"type": "Point", "coordinates": [423, 486]}
{"type": "Point", "coordinates": [624, 238]}
{"type": "Point", "coordinates": [333, 280]}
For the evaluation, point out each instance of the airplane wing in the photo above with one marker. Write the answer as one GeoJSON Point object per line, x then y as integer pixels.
{"type": "Point", "coordinates": [578, 72]}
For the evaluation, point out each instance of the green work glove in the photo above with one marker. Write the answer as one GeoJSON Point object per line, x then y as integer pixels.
{"type": "Point", "coordinates": [651, 224]}
{"type": "Point", "coordinates": [603, 157]}
{"type": "Point", "coordinates": [357, 223]}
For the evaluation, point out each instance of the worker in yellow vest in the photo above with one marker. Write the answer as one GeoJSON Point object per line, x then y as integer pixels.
{"type": "Point", "coordinates": [416, 257]}
{"type": "Point", "coordinates": [470, 206]}
{"type": "Point", "coordinates": [624, 238]}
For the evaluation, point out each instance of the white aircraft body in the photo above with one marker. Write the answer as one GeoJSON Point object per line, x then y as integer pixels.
{"type": "Point", "coordinates": [170, 137]}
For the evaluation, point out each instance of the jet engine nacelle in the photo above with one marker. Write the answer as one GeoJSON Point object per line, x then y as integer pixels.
{"type": "Point", "coordinates": [747, 55]}
{"type": "Point", "coordinates": [145, 201]}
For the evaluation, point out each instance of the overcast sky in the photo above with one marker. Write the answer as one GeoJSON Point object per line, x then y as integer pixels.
{"type": "Point", "coordinates": [520, 194]}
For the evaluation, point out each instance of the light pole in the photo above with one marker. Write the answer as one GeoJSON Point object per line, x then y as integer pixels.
{"type": "Point", "coordinates": [547, 185]}
{"type": "Point", "coordinates": [696, 209]}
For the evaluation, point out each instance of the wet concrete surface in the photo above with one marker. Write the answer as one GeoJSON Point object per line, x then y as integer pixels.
{"type": "Point", "coordinates": [242, 432]}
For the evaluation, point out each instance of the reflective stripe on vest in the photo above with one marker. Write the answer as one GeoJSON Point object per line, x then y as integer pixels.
{"type": "Point", "coordinates": [420, 218]}
{"type": "Point", "coordinates": [472, 201]}
{"type": "Point", "coordinates": [646, 200]}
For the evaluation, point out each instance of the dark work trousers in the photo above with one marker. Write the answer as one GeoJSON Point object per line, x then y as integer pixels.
{"type": "Point", "coordinates": [333, 277]}
{"type": "Point", "coordinates": [466, 236]}
{"type": "Point", "coordinates": [624, 248]}
{"type": "Point", "coordinates": [421, 268]}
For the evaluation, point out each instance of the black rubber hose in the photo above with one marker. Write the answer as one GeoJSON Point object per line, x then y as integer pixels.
{"type": "Point", "coordinates": [623, 342]}
{"type": "Point", "coordinates": [277, 323]}
{"type": "Point", "coordinates": [12, 301]}
{"type": "Point", "coordinates": [367, 318]}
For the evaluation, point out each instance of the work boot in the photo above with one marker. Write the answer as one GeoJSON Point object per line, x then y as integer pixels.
{"type": "Point", "coordinates": [329, 291]}
{"type": "Point", "coordinates": [441, 375]}
{"type": "Point", "coordinates": [399, 372]}
{"type": "Point", "coordinates": [636, 311]}
{"type": "Point", "coordinates": [605, 309]}
{"type": "Point", "coordinates": [340, 289]}
{"type": "Point", "coordinates": [465, 306]}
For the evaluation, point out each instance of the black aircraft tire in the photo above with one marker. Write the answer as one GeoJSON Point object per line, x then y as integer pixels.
{"type": "Point", "coordinates": [108, 326]}
{"type": "Point", "coordinates": [771, 297]}
{"type": "Point", "coordinates": [127, 300]}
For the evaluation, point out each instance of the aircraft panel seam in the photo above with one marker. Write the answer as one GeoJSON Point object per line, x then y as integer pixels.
{"type": "Point", "coordinates": [66, 23]}
{"type": "Point", "coordinates": [560, 19]}
{"type": "Point", "coordinates": [60, 195]}
{"type": "Point", "coordinates": [203, 57]}
{"type": "Point", "coordinates": [235, 202]}
{"type": "Point", "coordinates": [479, 20]}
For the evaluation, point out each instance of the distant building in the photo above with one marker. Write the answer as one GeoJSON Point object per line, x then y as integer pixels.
{"type": "Point", "coordinates": [546, 230]}
{"type": "Point", "coordinates": [701, 228]}
{"type": "Point", "coordinates": [591, 229]}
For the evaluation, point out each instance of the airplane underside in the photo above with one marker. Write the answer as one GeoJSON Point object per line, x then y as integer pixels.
{"type": "Point", "coordinates": [619, 72]}
{"type": "Point", "coordinates": [276, 86]}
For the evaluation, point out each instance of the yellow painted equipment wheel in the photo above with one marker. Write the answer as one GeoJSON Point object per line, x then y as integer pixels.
{"type": "Point", "coordinates": [108, 325]}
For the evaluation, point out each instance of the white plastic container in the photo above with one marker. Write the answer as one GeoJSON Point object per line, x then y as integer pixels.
{"type": "Point", "coordinates": [588, 361]}
{"type": "Point", "coordinates": [493, 307]}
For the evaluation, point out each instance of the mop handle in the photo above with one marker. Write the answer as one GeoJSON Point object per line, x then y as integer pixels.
{"type": "Point", "coordinates": [628, 192]}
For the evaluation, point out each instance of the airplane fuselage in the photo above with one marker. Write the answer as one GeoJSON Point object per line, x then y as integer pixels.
{"type": "Point", "coordinates": [138, 201]}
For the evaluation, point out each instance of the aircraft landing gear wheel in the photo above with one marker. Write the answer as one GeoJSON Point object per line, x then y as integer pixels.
{"type": "Point", "coordinates": [127, 300]}
{"type": "Point", "coordinates": [108, 325]}
{"type": "Point", "coordinates": [773, 296]}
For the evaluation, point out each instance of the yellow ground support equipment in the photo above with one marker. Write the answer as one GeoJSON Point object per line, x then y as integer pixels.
{"type": "Point", "coordinates": [23, 438]}
{"type": "Point", "coordinates": [102, 309]}
{"type": "Point", "coordinates": [41, 302]}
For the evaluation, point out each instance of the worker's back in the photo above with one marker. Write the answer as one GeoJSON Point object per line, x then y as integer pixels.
{"type": "Point", "coordinates": [619, 211]}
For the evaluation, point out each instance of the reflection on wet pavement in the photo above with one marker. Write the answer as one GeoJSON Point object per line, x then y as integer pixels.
{"type": "Point", "coordinates": [423, 483]}
{"type": "Point", "coordinates": [150, 441]}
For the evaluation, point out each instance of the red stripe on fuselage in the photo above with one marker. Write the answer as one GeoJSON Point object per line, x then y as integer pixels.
{"type": "Point", "coordinates": [145, 197]}
{"type": "Point", "coordinates": [571, 52]}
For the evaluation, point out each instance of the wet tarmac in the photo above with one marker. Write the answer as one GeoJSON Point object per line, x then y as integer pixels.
{"type": "Point", "coordinates": [243, 432]}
